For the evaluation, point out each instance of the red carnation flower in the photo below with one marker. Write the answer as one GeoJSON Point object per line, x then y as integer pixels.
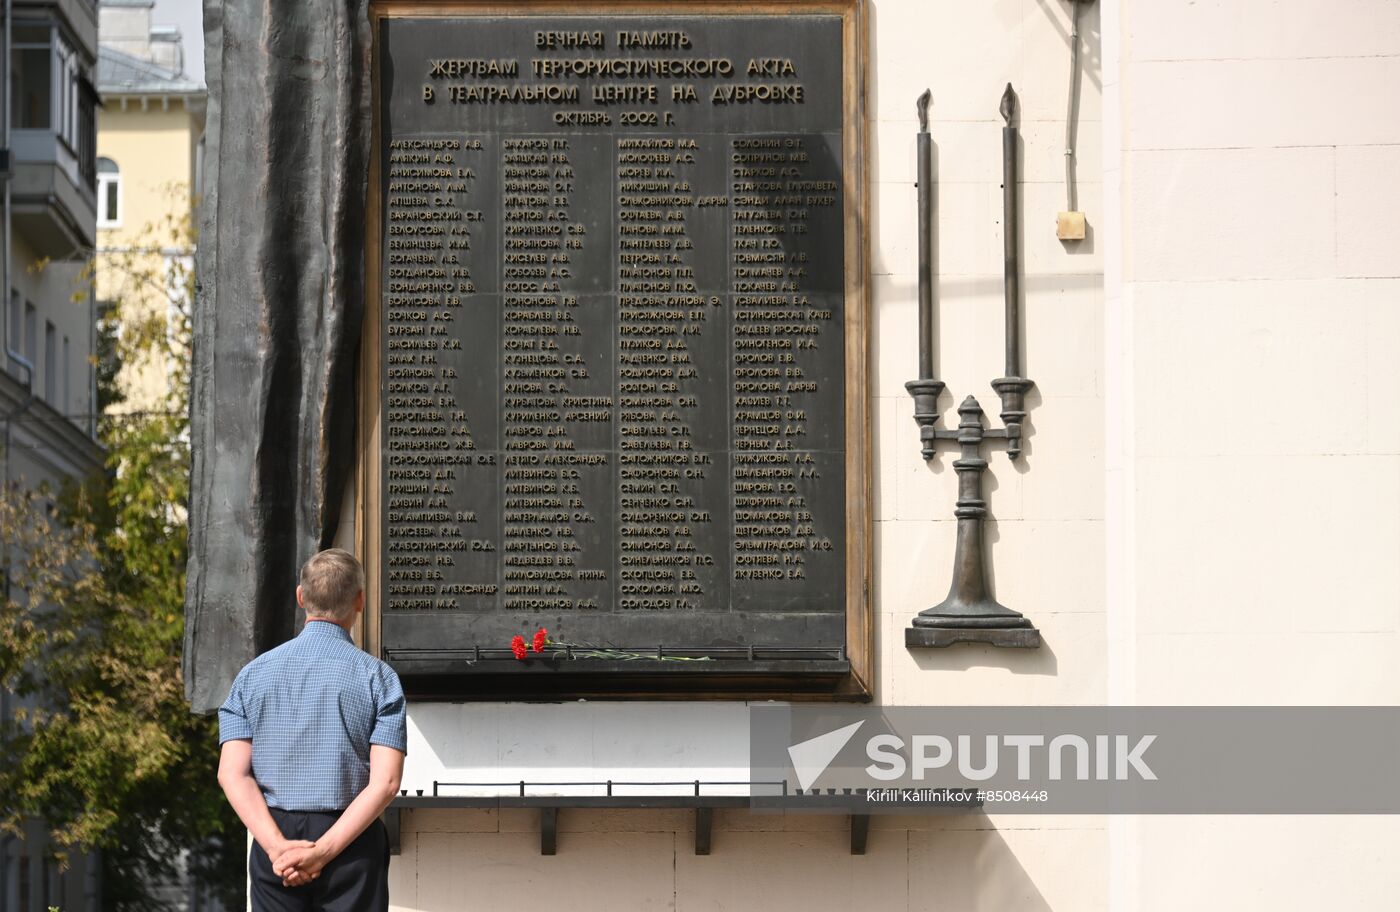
{"type": "Point", "coordinates": [541, 636]}
{"type": "Point", "coordinates": [517, 646]}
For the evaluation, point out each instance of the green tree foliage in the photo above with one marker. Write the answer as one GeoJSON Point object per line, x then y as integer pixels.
{"type": "Point", "coordinates": [101, 744]}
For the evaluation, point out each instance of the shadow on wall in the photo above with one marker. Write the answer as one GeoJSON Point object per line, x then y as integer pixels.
{"type": "Point", "coordinates": [1040, 661]}
{"type": "Point", "coordinates": [1090, 37]}
{"type": "Point", "coordinates": [971, 871]}
{"type": "Point", "coordinates": [962, 657]}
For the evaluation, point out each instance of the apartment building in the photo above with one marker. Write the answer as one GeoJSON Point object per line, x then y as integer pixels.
{"type": "Point", "coordinates": [48, 215]}
{"type": "Point", "coordinates": [47, 390]}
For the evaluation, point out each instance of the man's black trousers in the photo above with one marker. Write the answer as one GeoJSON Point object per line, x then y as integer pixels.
{"type": "Point", "coordinates": [356, 880]}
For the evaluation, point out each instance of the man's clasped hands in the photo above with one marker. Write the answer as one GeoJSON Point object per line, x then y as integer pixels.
{"type": "Point", "coordinates": [297, 861]}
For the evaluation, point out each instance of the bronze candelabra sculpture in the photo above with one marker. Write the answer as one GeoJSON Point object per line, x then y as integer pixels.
{"type": "Point", "coordinates": [969, 614]}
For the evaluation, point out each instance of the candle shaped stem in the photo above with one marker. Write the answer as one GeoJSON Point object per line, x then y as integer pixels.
{"type": "Point", "coordinates": [1011, 233]}
{"type": "Point", "coordinates": [925, 237]}
{"type": "Point", "coordinates": [926, 389]}
{"type": "Point", "coordinates": [1012, 387]}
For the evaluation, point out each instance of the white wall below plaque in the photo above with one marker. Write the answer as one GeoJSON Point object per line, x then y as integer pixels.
{"type": "Point", "coordinates": [577, 742]}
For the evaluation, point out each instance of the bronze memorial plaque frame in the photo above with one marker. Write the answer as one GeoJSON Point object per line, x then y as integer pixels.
{"type": "Point", "coordinates": [615, 353]}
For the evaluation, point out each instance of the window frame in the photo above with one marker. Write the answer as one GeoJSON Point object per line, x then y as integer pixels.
{"type": "Point", "coordinates": [50, 363]}
{"type": "Point", "coordinates": [18, 48]}
{"type": "Point", "coordinates": [107, 179]}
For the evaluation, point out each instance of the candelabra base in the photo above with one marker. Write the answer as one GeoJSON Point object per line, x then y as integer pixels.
{"type": "Point", "coordinates": [1013, 637]}
{"type": "Point", "coordinates": [981, 621]}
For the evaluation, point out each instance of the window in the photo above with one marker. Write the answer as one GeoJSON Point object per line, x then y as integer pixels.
{"type": "Point", "coordinates": [49, 90]}
{"type": "Point", "coordinates": [50, 363]}
{"type": "Point", "coordinates": [53, 883]}
{"type": "Point", "coordinates": [24, 880]}
{"type": "Point", "coordinates": [67, 63]}
{"type": "Point", "coordinates": [109, 194]}
{"type": "Point", "coordinates": [87, 131]}
{"type": "Point", "coordinates": [31, 79]}
{"type": "Point", "coordinates": [12, 339]}
{"type": "Point", "coordinates": [31, 333]}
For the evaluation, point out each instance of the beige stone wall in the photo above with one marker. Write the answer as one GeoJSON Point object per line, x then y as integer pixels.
{"type": "Point", "coordinates": [1253, 343]}
{"type": "Point", "coordinates": [1046, 534]}
{"type": "Point", "coordinates": [625, 860]}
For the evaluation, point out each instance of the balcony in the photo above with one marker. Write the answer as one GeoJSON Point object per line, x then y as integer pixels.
{"type": "Point", "coordinates": [53, 141]}
{"type": "Point", "coordinates": [54, 203]}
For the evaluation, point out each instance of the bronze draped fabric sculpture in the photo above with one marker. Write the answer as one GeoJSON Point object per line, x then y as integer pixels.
{"type": "Point", "coordinates": [277, 318]}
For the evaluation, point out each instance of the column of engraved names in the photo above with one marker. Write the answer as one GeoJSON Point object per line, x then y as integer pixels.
{"type": "Point", "coordinates": [557, 397]}
{"type": "Point", "coordinates": [786, 300]}
{"type": "Point", "coordinates": [670, 348]}
{"type": "Point", "coordinates": [430, 440]}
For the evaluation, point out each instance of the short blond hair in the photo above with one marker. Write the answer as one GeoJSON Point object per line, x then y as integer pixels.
{"type": "Point", "coordinates": [330, 580]}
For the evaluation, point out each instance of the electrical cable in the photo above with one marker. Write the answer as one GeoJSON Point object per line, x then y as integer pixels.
{"type": "Point", "coordinates": [1073, 102]}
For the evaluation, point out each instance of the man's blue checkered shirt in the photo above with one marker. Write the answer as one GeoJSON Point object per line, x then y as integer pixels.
{"type": "Point", "coordinates": [312, 708]}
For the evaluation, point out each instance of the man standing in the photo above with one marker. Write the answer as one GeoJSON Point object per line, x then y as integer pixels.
{"type": "Point", "coordinates": [314, 737]}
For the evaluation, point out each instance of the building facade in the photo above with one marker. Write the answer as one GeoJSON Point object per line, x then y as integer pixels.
{"type": "Point", "coordinates": [148, 170]}
{"type": "Point", "coordinates": [51, 216]}
{"type": "Point", "coordinates": [48, 387]}
{"type": "Point", "coordinates": [1207, 509]}
{"type": "Point", "coordinates": [1212, 430]}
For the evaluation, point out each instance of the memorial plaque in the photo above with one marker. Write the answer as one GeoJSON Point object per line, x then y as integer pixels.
{"type": "Point", "coordinates": [618, 349]}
